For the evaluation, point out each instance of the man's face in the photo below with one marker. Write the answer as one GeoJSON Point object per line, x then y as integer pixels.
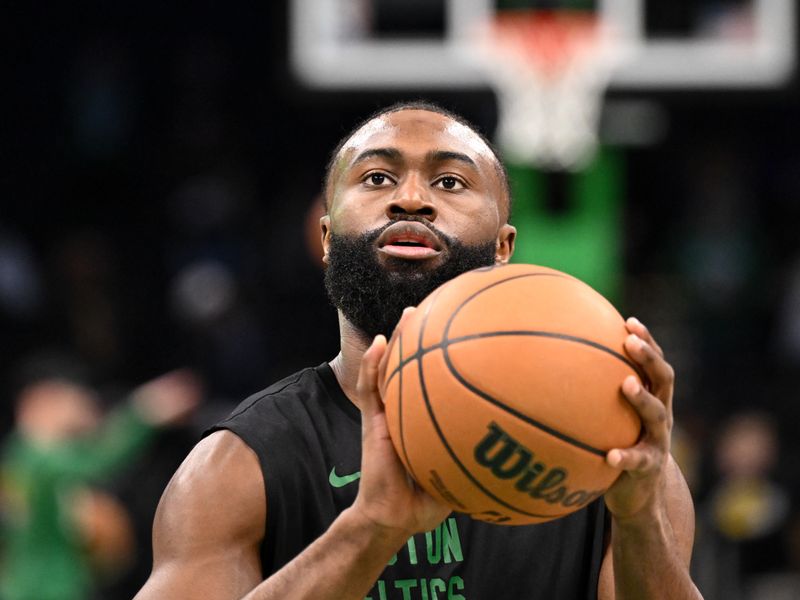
{"type": "Point", "coordinates": [416, 199]}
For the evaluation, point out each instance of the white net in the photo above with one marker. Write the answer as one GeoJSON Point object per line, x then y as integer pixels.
{"type": "Point", "coordinates": [550, 75]}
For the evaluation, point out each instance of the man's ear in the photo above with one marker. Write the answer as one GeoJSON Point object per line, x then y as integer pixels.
{"type": "Point", "coordinates": [325, 230]}
{"type": "Point", "coordinates": [505, 244]}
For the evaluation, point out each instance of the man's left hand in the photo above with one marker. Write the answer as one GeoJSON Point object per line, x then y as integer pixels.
{"type": "Point", "coordinates": [639, 491]}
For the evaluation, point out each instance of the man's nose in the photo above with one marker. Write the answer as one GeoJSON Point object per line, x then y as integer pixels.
{"type": "Point", "coordinates": [412, 197]}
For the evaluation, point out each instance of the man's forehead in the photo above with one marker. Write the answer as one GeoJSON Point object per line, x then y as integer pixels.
{"type": "Point", "coordinates": [440, 136]}
{"type": "Point", "coordinates": [417, 122]}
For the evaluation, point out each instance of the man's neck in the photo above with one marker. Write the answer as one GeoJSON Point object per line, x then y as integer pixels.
{"type": "Point", "coordinates": [346, 364]}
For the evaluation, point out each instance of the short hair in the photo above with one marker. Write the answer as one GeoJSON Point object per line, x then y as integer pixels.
{"type": "Point", "coordinates": [416, 105]}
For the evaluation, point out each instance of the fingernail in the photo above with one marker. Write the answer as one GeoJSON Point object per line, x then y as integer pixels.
{"type": "Point", "coordinates": [634, 321]}
{"type": "Point", "coordinates": [614, 458]}
{"type": "Point", "coordinates": [633, 385]}
{"type": "Point", "coordinates": [635, 342]}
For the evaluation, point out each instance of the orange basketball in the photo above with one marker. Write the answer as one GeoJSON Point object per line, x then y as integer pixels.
{"type": "Point", "coordinates": [503, 394]}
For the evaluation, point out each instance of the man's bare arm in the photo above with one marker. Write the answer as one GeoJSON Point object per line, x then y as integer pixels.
{"type": "Point", "coordinates": [211, 520]}
{"type": "Point", "coordinates": [652, 528]}
{"type": "Point", "coordinates": [649, 557]}
{"type": "Point", "coordinates": [209, 525]}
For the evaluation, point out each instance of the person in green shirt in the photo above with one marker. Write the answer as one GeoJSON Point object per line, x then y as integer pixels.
{"type": "Point", "coordinates": [60, 447]}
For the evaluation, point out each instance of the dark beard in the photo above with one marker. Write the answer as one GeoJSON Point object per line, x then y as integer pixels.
{"type": "Point", "coordinates": [372, 297]}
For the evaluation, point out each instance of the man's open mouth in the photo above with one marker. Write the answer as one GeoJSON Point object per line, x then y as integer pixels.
{"type": "Point", "coordinates": [410, 240]}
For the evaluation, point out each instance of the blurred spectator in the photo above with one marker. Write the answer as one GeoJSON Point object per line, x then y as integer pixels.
{"type": "Point", "coordinates": [720, 247]}
{"type": "Point", "coordinates": [742, 522]}
{"type": "Point", "coordinates": [224, 334]}
{"type": "Point", "coordinates": [58, 527]}
{"type": "Point", "coordinates": [212, 266]}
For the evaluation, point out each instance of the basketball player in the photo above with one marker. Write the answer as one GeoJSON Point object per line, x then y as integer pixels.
{"type": "Point", "coordinates": [300, 494]}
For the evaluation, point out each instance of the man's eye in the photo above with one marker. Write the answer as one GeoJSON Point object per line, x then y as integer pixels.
{"type": "Point", "coordinates": [450, 183]}
{"type": "Point", "coordinates": [377, 179]}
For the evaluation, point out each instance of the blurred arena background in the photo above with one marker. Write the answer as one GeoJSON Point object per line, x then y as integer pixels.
{"type": "Point", "coordinates": [162, 169]}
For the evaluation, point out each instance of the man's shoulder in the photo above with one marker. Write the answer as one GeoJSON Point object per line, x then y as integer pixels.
{"type": "Point", "coordinates": [282, 397]}
{"type": "Point", "coordinates": [296, 386]}
{"type": "Point", "coordinates": [194, 517]}
{"type": "Point", "coordinates": [288, 410]}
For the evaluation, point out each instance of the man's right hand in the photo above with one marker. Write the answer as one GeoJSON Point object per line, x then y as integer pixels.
{"type": "Point", "coordinates": [388, 497]}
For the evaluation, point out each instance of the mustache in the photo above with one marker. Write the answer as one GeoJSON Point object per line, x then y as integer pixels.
{"type": "Point", "coordinates": [374, 234]}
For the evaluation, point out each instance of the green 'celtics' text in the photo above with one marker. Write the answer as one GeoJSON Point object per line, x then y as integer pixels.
{"type": "Point", "coordinates": [440, 546]}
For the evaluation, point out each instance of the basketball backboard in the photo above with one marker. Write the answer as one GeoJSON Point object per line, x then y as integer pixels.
{"type": "Point", "coordinates": [715, 44]}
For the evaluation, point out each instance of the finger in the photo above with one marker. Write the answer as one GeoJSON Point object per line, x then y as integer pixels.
{"type": "Point", "coordinates": [635, 326]}
{"type": "Point", "coordinates": [639, 459]}
{"type": "Point", "coordinates": [658, 371]}
{"type": "Point", "coordinates": [367, 385]}
{"type": "Point", "coordinates": [407, 312]}
{"type": "Point", "coordinates": [656, 417]}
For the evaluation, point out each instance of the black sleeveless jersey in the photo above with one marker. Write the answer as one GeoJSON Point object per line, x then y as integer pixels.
{"type": "Point", "coordinates": [307, 436]}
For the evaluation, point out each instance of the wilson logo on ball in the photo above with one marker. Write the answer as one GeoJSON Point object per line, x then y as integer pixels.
{"type": "Point", "coordinates": [506, 458]}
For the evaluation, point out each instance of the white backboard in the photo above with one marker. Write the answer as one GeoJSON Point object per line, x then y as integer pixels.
{"type": "Point", "coordinates": [332, 47]}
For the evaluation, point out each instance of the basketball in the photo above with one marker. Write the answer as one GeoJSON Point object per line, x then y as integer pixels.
{"type": "Point", "coordinates": [503, 396]}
